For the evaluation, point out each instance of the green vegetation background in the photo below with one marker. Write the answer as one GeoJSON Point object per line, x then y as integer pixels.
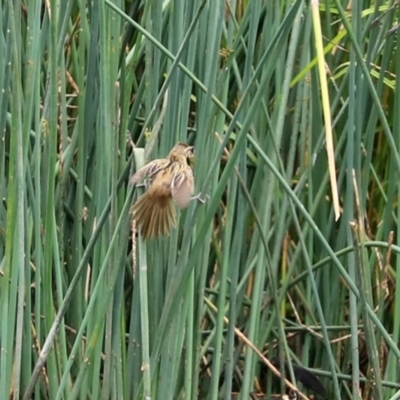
{"type": "Point", "coordinates": [262, 269]}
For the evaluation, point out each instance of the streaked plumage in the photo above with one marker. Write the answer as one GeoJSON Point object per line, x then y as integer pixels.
{"type": "Point", "coordinates": [170, 178]}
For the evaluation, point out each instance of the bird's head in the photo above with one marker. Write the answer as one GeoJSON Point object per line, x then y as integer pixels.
{"type": "Point", "coordinates": [181, 150]}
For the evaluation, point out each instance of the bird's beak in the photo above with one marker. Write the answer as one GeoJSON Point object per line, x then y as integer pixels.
{"type": "Point", "coordinates": [190, 151]}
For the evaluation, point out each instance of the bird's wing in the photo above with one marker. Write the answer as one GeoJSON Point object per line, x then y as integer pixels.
{"type": "Point", "coordinates": [182, 186]}
{"type": "Point", "coordinates": [149, 170]}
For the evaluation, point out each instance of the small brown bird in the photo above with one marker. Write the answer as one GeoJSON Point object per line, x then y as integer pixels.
{"type": "Point", "coordinates": [169, 179]}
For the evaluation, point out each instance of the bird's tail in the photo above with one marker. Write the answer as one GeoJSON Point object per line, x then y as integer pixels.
{"type": "Point", "coordinates": [155, 215]}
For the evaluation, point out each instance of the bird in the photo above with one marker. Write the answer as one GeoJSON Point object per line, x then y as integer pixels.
{"type": "Point", "coordinates": [169, 180]}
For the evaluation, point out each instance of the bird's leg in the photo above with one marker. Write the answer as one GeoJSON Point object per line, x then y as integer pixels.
{"type": "Point", "coordinates": [199, 198]}
{"type": "Point", "coordinates": [144, 184]}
